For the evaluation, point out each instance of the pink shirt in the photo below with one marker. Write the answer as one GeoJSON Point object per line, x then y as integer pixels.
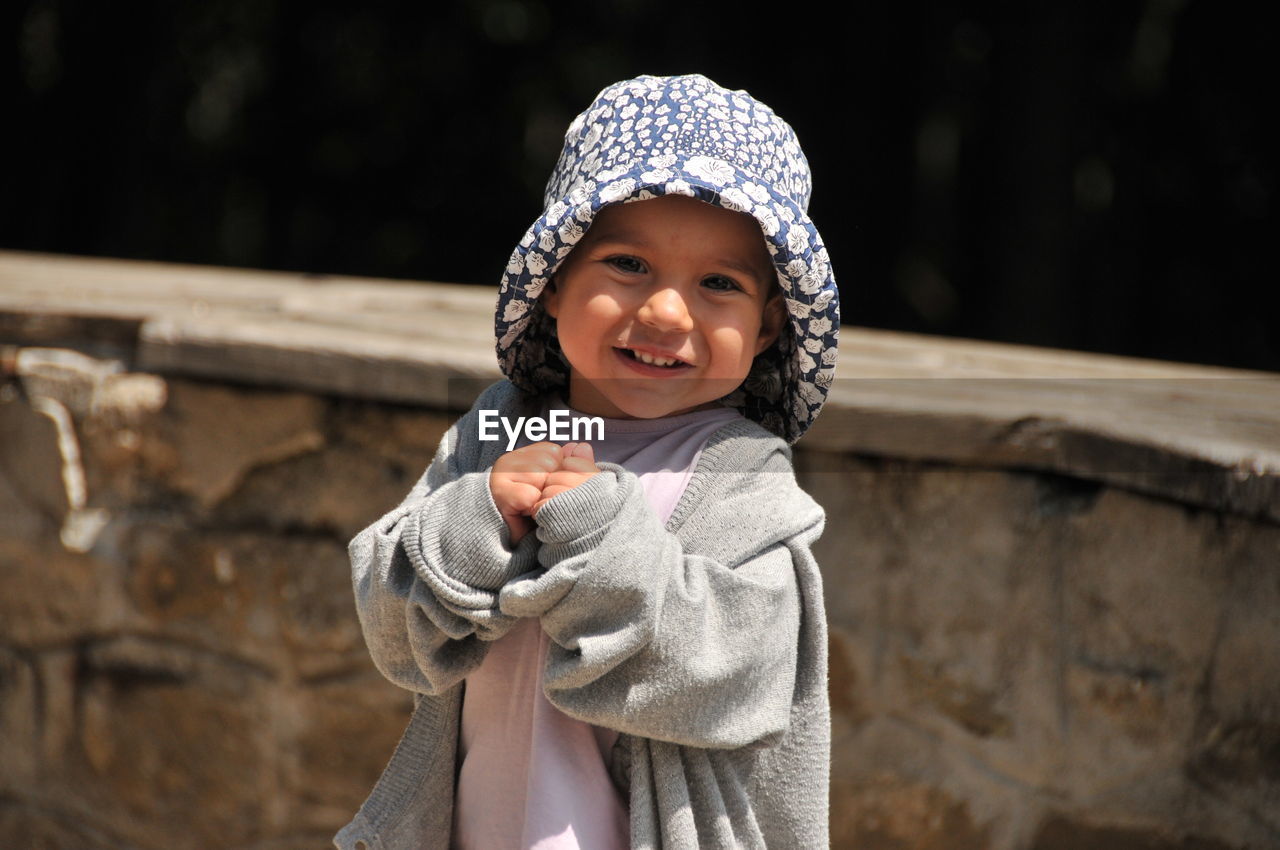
{"type": "Point", "coordinates": [531, 776]}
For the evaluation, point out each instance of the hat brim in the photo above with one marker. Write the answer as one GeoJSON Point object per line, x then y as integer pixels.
{"type": "Point", "coordinates": [788, 383]}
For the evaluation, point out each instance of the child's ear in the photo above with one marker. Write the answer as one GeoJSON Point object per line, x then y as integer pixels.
{"type": "Point", "coordinates": [771, 321]}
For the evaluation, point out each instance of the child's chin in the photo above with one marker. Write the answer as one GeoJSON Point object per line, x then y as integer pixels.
{"type": "Point", "coordinates": [657, 409]}
{"type": "Point", "coordinates": [648, 399]}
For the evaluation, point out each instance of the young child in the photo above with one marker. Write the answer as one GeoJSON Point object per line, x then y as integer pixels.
{"type": "Point", "coordinates": [622, 642]}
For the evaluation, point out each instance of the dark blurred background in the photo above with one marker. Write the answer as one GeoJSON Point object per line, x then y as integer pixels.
{"type": "Point", "coordinates": [1090, 175]}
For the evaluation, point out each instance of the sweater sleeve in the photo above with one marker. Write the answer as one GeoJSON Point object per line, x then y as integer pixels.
{"type": "Point", "coordinates": [426, 575]}
{"type": "Point", "coordinates": [655, 641]}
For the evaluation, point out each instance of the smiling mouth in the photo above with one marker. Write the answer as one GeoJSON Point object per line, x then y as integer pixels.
{"type": "Point", "coordinates": [652, 360]}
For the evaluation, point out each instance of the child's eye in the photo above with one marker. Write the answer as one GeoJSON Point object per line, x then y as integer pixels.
{"type": "Point", "coordinates": [720, 283]}
{"type": "Point", "coordinates": [627, 264]}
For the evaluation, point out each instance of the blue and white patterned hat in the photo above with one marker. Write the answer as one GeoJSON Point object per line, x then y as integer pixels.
{"type": "Point", "coordinates": [655, 136]}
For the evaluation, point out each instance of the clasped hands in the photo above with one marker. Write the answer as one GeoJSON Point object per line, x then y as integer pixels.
{"type": "Point", "coordinates": [524, 480]}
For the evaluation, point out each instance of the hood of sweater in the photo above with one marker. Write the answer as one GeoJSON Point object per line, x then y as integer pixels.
{"type": "Point", "coordinates": [686, 135]}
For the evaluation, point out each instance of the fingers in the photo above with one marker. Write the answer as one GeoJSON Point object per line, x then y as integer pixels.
{"type": "Point", "coordinates": [579, 465]}
{"type": "Point", "coordinates": [514, 498]}
{"type": "Point", "coordinates": [565, 479]}
{"type": "Point", "coordinates": [523, 480]}
{"type": "Point", "coordinates": [543, 457]}
{"type": "Point", "coordinates": [517, 477]}
{"type": "Point", "coordinates": [578, 457]}
{"type": "Point", "coordinates": [548, 494]}
{"type": "Point", "coordinates": [581, 450]}
{"type": "Point", "coordinates": [547, 457]}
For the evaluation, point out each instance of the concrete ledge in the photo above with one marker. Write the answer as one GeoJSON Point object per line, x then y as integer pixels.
{"type": "Point", "coordinates": [1201, 435]}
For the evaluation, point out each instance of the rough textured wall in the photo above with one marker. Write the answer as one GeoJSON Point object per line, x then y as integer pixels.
{"type": "Point", "coordinates": [1031, 661]}
{"type": "Point", "coordinates": [1018, 661]}
{"type": "Point", "coordinates": [197, 677]}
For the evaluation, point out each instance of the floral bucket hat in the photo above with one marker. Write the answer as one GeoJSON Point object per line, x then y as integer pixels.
{"type": "Point", "coordinates": [655, 136]}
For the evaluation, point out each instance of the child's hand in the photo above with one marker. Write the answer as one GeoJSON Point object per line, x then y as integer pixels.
{"type": "Point", "coordinates": [517, 481]}
{"type": "Point", "coordinates": [577, 464]}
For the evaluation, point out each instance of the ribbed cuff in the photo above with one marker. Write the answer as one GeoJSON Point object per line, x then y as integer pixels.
{"type": "Point", "coordinates": [464, 538]}
{"type": "Point", "coordinates": [586, 508]}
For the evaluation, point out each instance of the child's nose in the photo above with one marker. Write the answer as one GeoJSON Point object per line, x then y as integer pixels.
{"type": "Point", "coordinates": [666, 310]}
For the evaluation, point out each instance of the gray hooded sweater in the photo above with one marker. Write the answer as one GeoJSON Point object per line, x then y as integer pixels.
{"type": "Point", "coordinates": [702, 642]}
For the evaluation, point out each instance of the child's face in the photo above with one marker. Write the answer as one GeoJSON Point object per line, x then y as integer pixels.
{"type": "Point", "coordinates": [671, 278]}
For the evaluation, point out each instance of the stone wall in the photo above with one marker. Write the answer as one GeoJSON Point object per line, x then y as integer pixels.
{"type": "Point", "coordinates": [1019, 660]}
{"type": "Point", "coordinates": [193, 676]}
{"type": "Point", "coordinates": [1024, 660]}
